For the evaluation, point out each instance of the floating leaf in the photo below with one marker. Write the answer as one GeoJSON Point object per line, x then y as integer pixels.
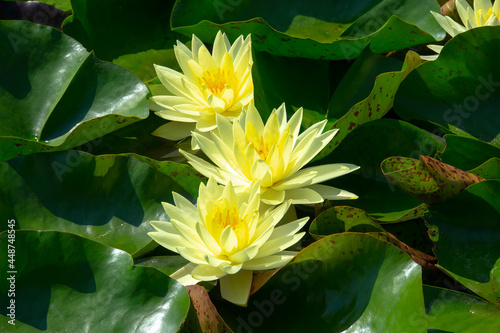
{"type": "Point", "coordinates": [68, 283]}
{"type": "Point", "coordinates": [468, 248]}
{"type": "Point", "coordinates": [312, 30]}
{"type": "Point", "coordinates": [460, 88]}
{"type": "Point", "coordinates": [427, 179]}
{"type": "Point", "coordinates": [54, 95]}
{"type": "Point", "coordinates": [451, 311]}
{"type": "Point", "coordinates": [108, 198]}
{"type": "Point", "coordinates": [467, 153]}
{"type": "Point", "coordinates": [116, 27]}
{"type": "Point", "coordinates": [489, 169]}
{"type": "Point", "coordinates": [375, 106]}
{"type": "Point", "coordinates": [344, 282]}
{"type": "Point", "coordinates": [209, 319]}
{"type": "Point", "coordinates": [341, 219]}
{"type": "Point", "coordinates": [367, 146]}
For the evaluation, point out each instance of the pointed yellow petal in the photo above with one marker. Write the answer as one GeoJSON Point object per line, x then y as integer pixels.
{"type": "Point", "coordinates": [174, 130]}
{"type": "Point", "coordinates": [207, 273]}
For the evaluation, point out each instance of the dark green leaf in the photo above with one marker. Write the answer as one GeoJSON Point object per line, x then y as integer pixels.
{"type": "Point", "coordinates": [344, 282]}
{"type": "Point", "coordinates": [467, 153]}
{"type": "Point", "coordinates": [108, 198]}
{"type": "Point", "coordinates": [453, 311]}
{"type": "Point", "coordinates": [469, 238]}
{"type": "Point", "coordinates": [65, 283]}
{"type": "Point", "coordinates": [375, 106]}
{"type": "Point", "coordinates": [315, 30]}
{"type": "Point", "coordinates": [54, 95]}
{"type": "Point", "coordinates": [367, 146]}
{"type": "Point", "coordinates": [116, 27]}
{"type": "Point", "coordinates": [459, 90]}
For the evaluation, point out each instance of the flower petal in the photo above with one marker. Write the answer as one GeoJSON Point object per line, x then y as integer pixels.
{"type": "Point", "coordinates": [207, 273]}
{"type": "Point", "coordinates": [174, 130]}
{"type": "Point", "coordinates": [272, 196]}
{"type": "Point", "coordinates": [270, 262]}
{"type": "Point", "coordinates": [303, 196]}
{"type": "Point", "coordinates": [183, 275]}
{"type": "Point", "coordinates": [236, 287]}
{"type": "Point", "coordinates": [332, 193]}
{"type": "Point", "coordinates": [228, 240]}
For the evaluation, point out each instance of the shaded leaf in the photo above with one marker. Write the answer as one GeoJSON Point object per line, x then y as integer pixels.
{"type": "Point", "coordinates": [307, 85]}
{"type": "Point", "coordinates": [68, 283]}
{"type": "Point", "coordinates": [467, 153]}
{"type": "Point", "coordinates": [367, 146]}
{"type": "Point", "coordinates": [456, 312]}
{"type": "Point", "coordinates": [427, 179]}
{"type": "Point", "coordinates": [489, 169]}
{"type": "Point", "coordinates": [312, 30]}
{"type": "Point", "coordinates": [468, 247]}
{"type": "Point", "coordinates": [344, 282]}
{"type": "Point", "coordinates": [375, 106]}
{"type": "Point", "coordinates": [165, 264]}
{"type": "Point", "coordinates": [54, 95]}
{"type": "Point", "coordinates": [108, 198]}
{"type": "Point", "coordinates": [116, 27]}
{"type": "Point", "coordinates": [459, 90]}
{"type": "Point", "coordinates": [34, 11]}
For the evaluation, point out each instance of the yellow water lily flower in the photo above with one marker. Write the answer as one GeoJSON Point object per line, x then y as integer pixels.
{"type": "Point", "coordinates": [218, 83]}
{"type": "Point", "coordinates": [226, 238]}
{"type": "Point", "coordinates": [273, 154]}
{"type": "Point", "coordinates": [483, 14]}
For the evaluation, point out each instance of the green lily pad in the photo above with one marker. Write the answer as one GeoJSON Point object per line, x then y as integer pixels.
{"type": "Point", "coordinates": [54, 95]}
{"type": "Point", "coordinates": [367, 146]}
{"type": "Point", "coordinates": [64, 282]}
{"type": "Point", "coordinates": [117, 27]}
{"type": "Point", "coordinates": [460, 88]}
{"type": "Point", "coordinates": [321, 30]}
{"type": "Point", "coordinates": [306, 86]}
{"type": "Point", "coordinates": [108, 198]}
{"type": "Point", "coordinates": [489, 169]}
{"type": "Point", "coordinates": [427, 179]}
{"type": "Point", "coordinates": [341, 219]}
{"type": "Point", "coordinates": [452, 311]}
{"type": "Point", "coordinates": [345, 282]}
{"type": "Point", "coordinates": [357, 83]}
{"type": "Point", "coordinates": [375, 106]}
{"type": "Point", "coordinates": [467, 153]}
{"type": "Point", "coordinates": [468, 248]}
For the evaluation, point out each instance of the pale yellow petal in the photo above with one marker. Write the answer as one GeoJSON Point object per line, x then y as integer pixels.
{"type": "Point", "coordinates": [303, 196]}
{"type": "Point", "coordinates": [261, 171]}
{"type": "Point", "coordinates": [272, 196]}
{"type": "Point", "coordinates": [174, 130]}
{"type": "Point", "coordinates": [228, 240]}
{"type": "Point", "coordinates": [332, 193]}
{"type": "Point", "coordinates": [236, 288]}
{"type": "Point", "coordinates": [207, 273]}
{"type": "Point", "coordinates": [183, 275]}
{"type": "Point", "coordinates": [270, 262]}
{"type": "Point", "coordinates": [168, 240]}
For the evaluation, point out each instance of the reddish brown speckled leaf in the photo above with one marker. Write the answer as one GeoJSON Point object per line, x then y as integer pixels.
{"type": "Point", "coordinates": [209, 318]}
{"type": "Point", "coordinates": [341, 219]}
{"type": "Point", "coordinates": [376, 105]}
{"type": "Point", "coordinates": [427, 179]}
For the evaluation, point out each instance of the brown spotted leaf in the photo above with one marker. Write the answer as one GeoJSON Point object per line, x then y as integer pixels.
{"type": "Point", "coordinates": [209, 319]}
{"type": "Point", "coordinates": [341, 219]}
{"type": "Point", "coordinates": [376, 105]}
{"type": "Point", "coordinates": [427, 179]}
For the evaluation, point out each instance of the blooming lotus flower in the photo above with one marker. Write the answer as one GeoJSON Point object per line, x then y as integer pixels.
{"type": "Point", "coordinates": [273, 154]}
{"type": "Point", "coordinates": [483, 14]}
{"type": "Point", "coordinates": [226, 238]}
{"type": "Point", "coordinates": [218, 83]}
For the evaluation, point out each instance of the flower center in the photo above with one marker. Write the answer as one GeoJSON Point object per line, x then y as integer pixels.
{"type": "Point", "coordinates": [216, 81]}
{"type": "Point", "coordinates": [226, 215]}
